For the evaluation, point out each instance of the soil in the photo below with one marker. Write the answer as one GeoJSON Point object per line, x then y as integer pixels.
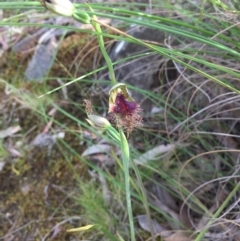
{"type": "Point", "coordinates": [38, 183]}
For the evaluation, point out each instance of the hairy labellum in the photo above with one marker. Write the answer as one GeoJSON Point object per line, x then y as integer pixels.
{"type": "Point", "coordinates": [124, 107]}
{"type": "Point", "coordinates": [123, 111]}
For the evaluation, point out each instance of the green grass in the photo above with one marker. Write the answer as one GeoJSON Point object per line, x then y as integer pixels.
{"type": "Point", "coordinates": [207, 55]}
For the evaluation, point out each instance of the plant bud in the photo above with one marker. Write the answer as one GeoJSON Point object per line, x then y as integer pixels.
{"type": "Point", "coordinates": [61, 7]}
{"type": "Point", "coordinates": [98, 121]}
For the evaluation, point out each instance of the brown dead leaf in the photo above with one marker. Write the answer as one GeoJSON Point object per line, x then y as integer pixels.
{"type": "Point", "coordinates": [154, 153]}
{"type": "Point", "coordinates": [161, 193]}
{"type": "Point", "coordinates": [161, 206]}
{"type": "Point", "coordinates": [28, 42]}
{"type": "Point", "coordinates": [98, 148]}
{"type": "Point", "coordinates": [42, 60]}
{"type": "Point", "coordinates": [157, 228]}
{"type": "Point", "coordinates": [9, 131]}
{"type": "Point", "coordinates": [178, 236]}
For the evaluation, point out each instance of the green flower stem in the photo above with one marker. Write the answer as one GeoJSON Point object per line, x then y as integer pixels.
{"type": "Point", "coordinates": [100, 39]}
{"type": "Point", "coordinates": [126, 160]}
{"type": "Point", "coordinates": [217, 213]}
{"type": "Point", "coordinates": [113, 134]}
{"type": "Point", "coordinates": [111, 131]}
{"type": "Point", "coordinates": [123, 139]}
{"type": "Point", "coordinates": [98, 29]}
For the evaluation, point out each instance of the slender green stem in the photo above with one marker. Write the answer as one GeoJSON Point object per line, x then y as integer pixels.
{"type": "Point", "coordinates": [126, 160]}
{"type": "Point", "coordinates": [100, 39]}
{"type": "Point", "coordinates": [98, 29]}
{"type": "Point", "coordinates": [217, 213]}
